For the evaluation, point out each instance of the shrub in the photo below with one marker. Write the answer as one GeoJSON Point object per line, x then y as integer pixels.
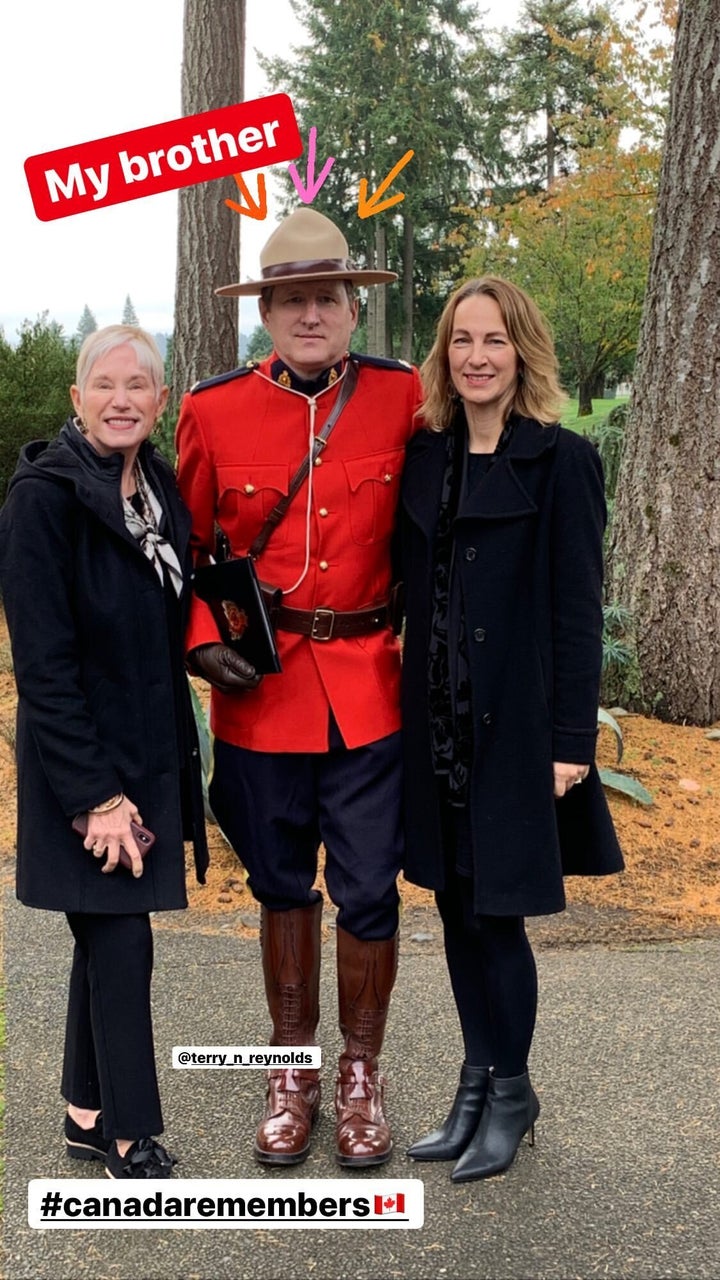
{"type": "Point", "coordinates": [35, 380]}
{"type": "Point", "coordinates": [608, 437]}
{"type": "Point", "coordinates": [620, 681]}
{"type": "Point", "coordinates": [621, 782]}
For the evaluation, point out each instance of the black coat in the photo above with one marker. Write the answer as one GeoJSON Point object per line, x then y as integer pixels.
{"type": "Point", "coordinates": [528, 550]}
{"type": "Point", "coordinates": [98, 709]}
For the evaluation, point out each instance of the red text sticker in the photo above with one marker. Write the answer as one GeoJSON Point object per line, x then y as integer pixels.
{"type": "Point", "coordinates": [162, 157]}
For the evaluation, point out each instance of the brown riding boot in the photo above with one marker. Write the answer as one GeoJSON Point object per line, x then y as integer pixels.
{"type": "Point", "coordinates": [290, 943]}
{"type": "Point", "coordinates": [366, 976]}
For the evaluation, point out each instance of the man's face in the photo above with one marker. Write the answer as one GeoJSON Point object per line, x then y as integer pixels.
{"type": "Point", "coordinates": [310, 324]}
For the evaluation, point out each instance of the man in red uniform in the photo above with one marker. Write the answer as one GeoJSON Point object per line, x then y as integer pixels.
{"type": "Point", "coordinates": [311, 754]}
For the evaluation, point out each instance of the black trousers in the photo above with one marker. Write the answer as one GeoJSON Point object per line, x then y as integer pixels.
{"type": "Point", "coordinates": [275, 808]}
{"type": "Point", "coordinates": [109, 1060]}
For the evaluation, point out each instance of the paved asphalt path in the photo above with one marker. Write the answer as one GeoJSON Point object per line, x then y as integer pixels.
{"type": "Point", "coordinates": [624, 1180]}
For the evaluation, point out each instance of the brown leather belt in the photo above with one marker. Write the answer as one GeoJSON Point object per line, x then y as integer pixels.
{"type": "Point", "coordinates": [329, 624]}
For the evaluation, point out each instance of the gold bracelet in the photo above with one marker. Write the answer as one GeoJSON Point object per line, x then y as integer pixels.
{"type": "Point", "coordinates": [113, 803]}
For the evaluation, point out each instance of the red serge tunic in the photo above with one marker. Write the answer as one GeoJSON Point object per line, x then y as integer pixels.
{"type": "Point", "coordinates": [240, 439]}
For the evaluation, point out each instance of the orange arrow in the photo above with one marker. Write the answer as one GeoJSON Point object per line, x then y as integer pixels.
{"type": "Point", "coordinates": [255, 208]}
{"type": "Point", "coordinates": [376, 204]}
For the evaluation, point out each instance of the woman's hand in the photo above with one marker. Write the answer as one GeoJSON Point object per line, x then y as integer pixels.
{"type": "Point", "coordinates": [107, 831]}
{"type": "Point", "coordinates": [567, 776]}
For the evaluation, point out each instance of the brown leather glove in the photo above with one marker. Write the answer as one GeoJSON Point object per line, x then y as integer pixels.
{"type": "Point", "coordinates": [223, 668]}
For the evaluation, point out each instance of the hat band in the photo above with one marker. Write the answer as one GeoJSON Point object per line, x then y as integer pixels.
{"type": "Point", "coordinates": [331, 266]}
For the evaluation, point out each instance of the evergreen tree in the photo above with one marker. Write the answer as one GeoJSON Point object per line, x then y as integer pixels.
{"type": "Point", "coordinates": [259, 344]}
{"type": "Point", "coordinates": [129, 315]}
{"type": "Point", "coordinates": [87, 324]}
{"type": "Point", "coordinates": [378, 80]}
{"type": "Point", "coordinates": [164, 433]}
{"type": "Point", "coordinates": [573, 223]}
{"type": "Point", "coordinates": [556, 68]}
{"type": "Point", "coordinates": [169, 354]}
{"type": "Point", "coordinates": [35, 378]}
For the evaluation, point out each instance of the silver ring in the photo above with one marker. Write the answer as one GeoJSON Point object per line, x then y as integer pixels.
{"type": "Point", "coordinates": [577, 782]}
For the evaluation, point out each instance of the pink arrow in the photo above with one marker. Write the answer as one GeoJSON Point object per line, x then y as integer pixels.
{"type": "Point", "coordinates": [308, 190]}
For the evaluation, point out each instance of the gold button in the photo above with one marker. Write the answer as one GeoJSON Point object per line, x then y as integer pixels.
{"type": "Point", "coordinates": [324, 565]}
{"type": "Point", "coordinates": [323, 511]}
{"type": "Point", "coordinates": [387, 477]}
{"type": "Point", "coordinates": [249, 488]}
{"type": "Point", "coordinates": [318, 462]}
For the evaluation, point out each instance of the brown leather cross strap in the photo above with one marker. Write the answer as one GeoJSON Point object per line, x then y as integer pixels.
{"type": "Point", "coordinates": [329, 624]}
{"type": "Point", "coordinates": [276, 515]}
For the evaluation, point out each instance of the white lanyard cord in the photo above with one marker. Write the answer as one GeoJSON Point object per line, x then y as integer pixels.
{"type": "Point", "coordinates": [312, 405]}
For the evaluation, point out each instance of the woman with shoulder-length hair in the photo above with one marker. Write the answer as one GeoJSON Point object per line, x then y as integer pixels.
{"type": "Point", "coordinates": [94, 565]}
{"type": "Point", "coordinates": [503, 515]}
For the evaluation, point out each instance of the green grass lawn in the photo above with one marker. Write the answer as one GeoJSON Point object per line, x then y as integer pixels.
{"type": "Point", "coordinates": [601, 409]}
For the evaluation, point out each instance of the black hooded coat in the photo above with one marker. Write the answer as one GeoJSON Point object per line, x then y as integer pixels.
{"type": "Point", "coordinates": [104, 704]}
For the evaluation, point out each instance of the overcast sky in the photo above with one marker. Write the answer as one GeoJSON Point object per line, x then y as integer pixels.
{"type": "Point", "coordinates": [79, 70]}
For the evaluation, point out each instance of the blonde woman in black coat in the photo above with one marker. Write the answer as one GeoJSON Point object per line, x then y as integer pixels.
{"type": "Point", "coordinates": [94, 566]}
{"type": "Point", "coordinates": [502, 523]}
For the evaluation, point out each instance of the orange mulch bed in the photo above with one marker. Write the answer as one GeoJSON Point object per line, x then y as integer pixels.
{"type": "Point", "coordinates": [672, 848]}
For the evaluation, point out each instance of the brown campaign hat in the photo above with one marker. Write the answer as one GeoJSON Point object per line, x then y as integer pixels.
{"type": "Point", "coordinates": [305, 246]}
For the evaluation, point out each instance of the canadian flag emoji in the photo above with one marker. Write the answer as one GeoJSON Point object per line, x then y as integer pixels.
{"type": "Point", "coordinates": [390, 1204]}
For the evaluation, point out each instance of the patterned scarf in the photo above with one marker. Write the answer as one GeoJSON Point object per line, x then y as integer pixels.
{"type": "Point", "coordinates": [144, 525]}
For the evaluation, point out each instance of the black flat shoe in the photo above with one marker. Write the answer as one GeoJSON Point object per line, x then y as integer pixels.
{"type": "Point", "coordinates": [146, 1158]}
{"type": "Point", "coordinates": [85, 1144]}
{"type": "Point", "coordinates": [451, 1139]}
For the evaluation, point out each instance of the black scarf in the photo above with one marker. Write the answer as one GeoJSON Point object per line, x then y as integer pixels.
{"type": "Point", "coordinates": [449, 696]}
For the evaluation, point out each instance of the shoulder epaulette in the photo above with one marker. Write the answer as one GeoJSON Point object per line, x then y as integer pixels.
{"type": "Point", "coordinates": [381, 362]}
{"type": "Point", "coordinates": [223, 377]}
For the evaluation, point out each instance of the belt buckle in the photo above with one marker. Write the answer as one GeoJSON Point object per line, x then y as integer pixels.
{"type": "Point", "coordinates": [323, 624]}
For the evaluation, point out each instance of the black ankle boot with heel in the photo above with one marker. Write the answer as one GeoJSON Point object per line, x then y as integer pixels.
{"type": "Point", "coordinates": [451, 1139]}
{"type": "Point", "coordinates": [510, 1111]}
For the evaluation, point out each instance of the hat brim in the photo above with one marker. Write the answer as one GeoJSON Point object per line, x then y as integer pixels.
{"type": "Point", "coordinates": [256, 286]}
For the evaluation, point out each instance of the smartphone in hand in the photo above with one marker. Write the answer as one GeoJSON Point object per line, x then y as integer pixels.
{"type": "Point", "coordinates": [144, 839]}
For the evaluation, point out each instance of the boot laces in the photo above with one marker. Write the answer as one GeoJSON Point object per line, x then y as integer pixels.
{"type": "Point", "coordinates": [291, 996]}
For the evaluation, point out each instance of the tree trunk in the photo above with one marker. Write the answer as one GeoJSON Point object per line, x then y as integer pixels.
{"type": "Point", "coordinates": [381, 333]}
{"type": "Point", "coordinates": [665, 550]}
{"type": "Point", "coordinates": [585, 407]}
{"type": "Point", "coordinates": [206, 327]}
{"type": "Point", "coordinates": [549, 144]}
{"type": "Point", "coordinates": [408, 291]}
{"type": "Point", "coordinates": [372, 297]}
